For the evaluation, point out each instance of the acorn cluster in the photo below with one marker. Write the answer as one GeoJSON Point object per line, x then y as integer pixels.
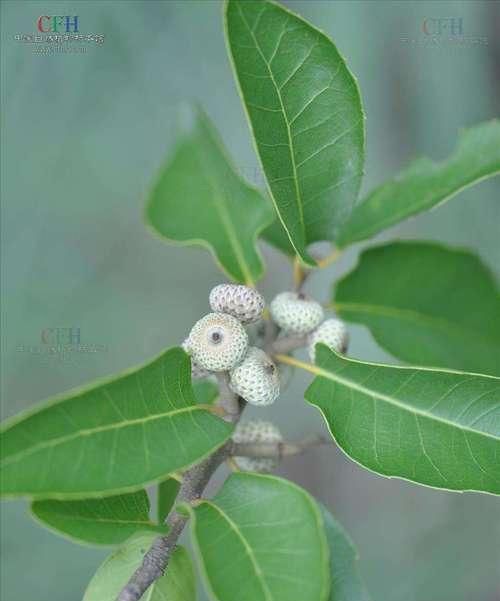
{"type": "Point", "coordinates": [219, 342]}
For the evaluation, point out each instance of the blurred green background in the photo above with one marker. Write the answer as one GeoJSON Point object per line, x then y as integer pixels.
{"type": "Point", "coordinates": [83, 137]}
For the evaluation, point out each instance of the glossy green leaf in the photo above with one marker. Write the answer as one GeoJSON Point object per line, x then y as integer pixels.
{"type": "Point", "coordinates": [178, 584]}
{"type": "Point", "coordinates": [304, 109]}
{"type": "Point", "coordinates": [167, 493]}
{"type": "Point", "coordinates": [425, 184]}
{"type": "Point", "coordinates": [200, 199]}
{"type": "Point", "coordinates": [261, 539]}
{"type": "Point", "coordinates": [106, 521]}
{"type": "Point", "coordinates": [439, 428]}
{"type": "Point", "coordinates": [426, 304]}
{"type": "Point", "coordinates": [205, 391]}
{"type": "Point", "coordinates": [346, 582]}
{"type": "Point", "coordinates": [111, 437]}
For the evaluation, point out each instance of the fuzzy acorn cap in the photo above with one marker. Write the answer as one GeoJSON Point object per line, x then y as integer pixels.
{"type": "Point", "coordinates": [217, 342]}
{"type": "Point", "coordinates": [256, 378]}
{"type": "Point", "coordinates": [197, 372]}
{"type": "Point", "coordinates": [296, 313]}
{"type": "Point", "coordinates": [331, 332]}
{"type": "Point", "coordinates": [242, 302]}
{"type": "Point", "coordinates": [256, 431]}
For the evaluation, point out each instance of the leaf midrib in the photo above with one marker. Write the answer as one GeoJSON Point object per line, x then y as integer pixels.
{"type": "Point", "coordinates": [90, 431]}
{"type": "Point", "coordinates": [334, 377]}
{"type": "Point", "coordinates": [287, 123]}
{"type": "Point", "coordinates": [102, 520]}
{"type": "Point", "coordinates": [219, 203]}
{"type": "Point", "coordinates": [248, 549]}
{"type": "Point", "coordinates": [414, 317]}
{"type": "Point", "coordinates": [417, 207]}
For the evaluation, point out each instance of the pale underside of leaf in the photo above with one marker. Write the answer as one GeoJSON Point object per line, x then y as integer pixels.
{"type": "Point", "coordinates": [346, 581]}
{"type": "Point", "coordinates": [178, 583]}
{"type": "Point", "coordinates": [438, 428]}
{"type": "Point", "coordinates": [409, 317]}
{"type": "Point", "coordinates": [425, 184]}
{"type": "Point", "coordinates": [167, 494]}
{"type": "Point", "coordinates": [427, 304]}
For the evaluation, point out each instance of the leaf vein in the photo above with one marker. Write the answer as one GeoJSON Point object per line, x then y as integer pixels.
{"type": "Point", "coordinates": [50, 444]}
{"type": "Point", "coordinates": [287, 124]}
{"type": "Point", "coordinates": [248, 550]}
{"type": "Point", "coordinates": [332, 376]}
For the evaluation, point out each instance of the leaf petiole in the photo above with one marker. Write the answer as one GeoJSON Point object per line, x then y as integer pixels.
{"type": "Point", "coordinates": [330, 258]}
{"type": "Point", "coordinates": [298, 363]}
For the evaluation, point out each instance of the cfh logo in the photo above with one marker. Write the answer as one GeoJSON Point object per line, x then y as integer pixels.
{"type": "Point", "coordinates": [60, 336]}
{"type": "Point", "coordinates": [443, 26]}
{"type": "Point", "coordinates": [57, 24]}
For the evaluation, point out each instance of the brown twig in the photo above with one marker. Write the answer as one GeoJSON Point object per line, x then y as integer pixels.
{"type": "Point", "coordinates": [228, 401]}
{"type": "Point", "coordinates": [329, 259]}
{"type": "Point", "coordinates": [287, 344]}
{"type": "Point", "coordinates": [300, 274]}
{"type": "Point", "coordinates": [277, 450]}
{"type": "Point", "coordinates": [194, 481]}
{"type": "Point", "coordinates": [156, 559]}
